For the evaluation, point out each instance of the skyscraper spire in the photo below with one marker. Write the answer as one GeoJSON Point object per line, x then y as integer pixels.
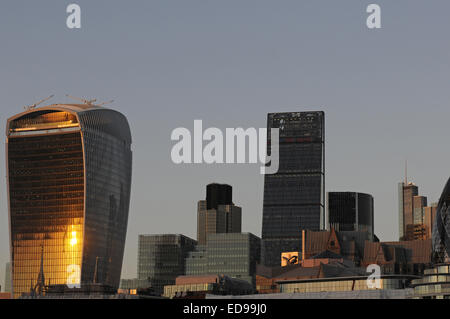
{"type": "Point", "coordinates": [41, 279]}
{"type": "Point", "coordinates": [406, 172]}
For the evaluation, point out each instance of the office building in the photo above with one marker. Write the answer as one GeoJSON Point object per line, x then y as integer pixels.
{"type": "Point", "coordinates": [133, 286]}
{"type": "Point", "coordinates": [348, 245]}
{"type": "Point", "coordinates": [406, 193]}
{"type": "Point", "coordinates": [161, 258]}
{"type": "Point", "coordinates": [294, 196]}
{"type": "Point", "coordinates": [231, 254]}
{"type": "Point", "coordinates": [197, 287]}
{"type": "Point", "coordinates": [217, 214]}
{"type": "Point", "coordinates": [335, 279]}
{"type": "Point", "coordinates": [415, 217]}
{"type": "Point", "coordinates": [351, 211]}
{"type": "Point", "coordinates": [441, 229]}
{"type": "Point", "coordinates": [218, 194]}
{"type": "Point", "coordinates": [350, 283]}
{"type": "Point", "coordinates": [399, 257]}
{"type": "Point", "coordinates": [7, 278]}
{"type": "Point", "coordinates": [69, 179]}
{"type": "Point", "coordinates": [435, 284]}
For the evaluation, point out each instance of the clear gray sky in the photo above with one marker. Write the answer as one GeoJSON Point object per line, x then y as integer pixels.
{"type": "Point", "coordinates": [385, 92]}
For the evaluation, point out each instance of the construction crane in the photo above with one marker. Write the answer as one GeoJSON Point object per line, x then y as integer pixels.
{"type": "Point", "coordinates": [29, 107]}
{"type": "Point", "coordinates": [89, 102]}
{"type": "Point", "coordinates": [108, 102]}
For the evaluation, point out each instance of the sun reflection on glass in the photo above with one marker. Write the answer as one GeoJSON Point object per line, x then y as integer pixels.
{"type": "Point", "coordinates": [73, 241]}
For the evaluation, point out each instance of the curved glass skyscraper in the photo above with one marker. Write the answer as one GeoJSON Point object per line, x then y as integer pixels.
{"type": "Point", "coordinates": [441, 228]}
{"type": "Point", "coordinates": [351, 211]}
{"type": "Point", "coordinates": [68, 178]}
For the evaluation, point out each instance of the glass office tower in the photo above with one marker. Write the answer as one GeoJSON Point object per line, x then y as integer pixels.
{"type": "Point", "coordinates": [68, 178]}
{"type": "Point", "coordinates": [218, 194]}
{"type": "Point", "coordinates": [232, 254]}
{"type": "Point", "coordinates": [294, 196]}
{"type": "Point", "coordinates": [406, 194]}
{"type": "Point", "coordinates": [217, 214]}
{"type": "Point", "coordinates": [441, 228]}
{"type": "Point", "coordinates": [351, 211]}
{"type": "Point", "coordinates": [161, 258]}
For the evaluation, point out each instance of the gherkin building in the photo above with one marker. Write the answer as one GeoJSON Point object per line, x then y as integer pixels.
{"type": "Point", "coordinates": [441, 228]}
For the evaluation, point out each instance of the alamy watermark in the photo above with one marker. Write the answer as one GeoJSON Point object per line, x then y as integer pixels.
{"type": "Point", "coordinates": [234, 149]}
{"type": "Point", "coordinates": [73, 20]}
{"type": "Point", "coordinates": [374, 279]}
{"type": "Point", "coordinates": [73, 276]}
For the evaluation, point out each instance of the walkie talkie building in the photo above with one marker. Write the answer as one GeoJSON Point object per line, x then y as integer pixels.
{"type": "Point", "coordinates": [69, 179]}
{"type": "Point", "coordinates": [294, 196]}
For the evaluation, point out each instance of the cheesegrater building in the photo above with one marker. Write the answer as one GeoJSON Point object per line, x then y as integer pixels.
{"type": "Point", "coordinates": [294, 196]}
{"type": "Point", "coordinates": [68, 179]}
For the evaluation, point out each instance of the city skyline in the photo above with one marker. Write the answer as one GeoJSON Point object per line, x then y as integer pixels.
{"type": "Point", "coordinates": [383, 92]}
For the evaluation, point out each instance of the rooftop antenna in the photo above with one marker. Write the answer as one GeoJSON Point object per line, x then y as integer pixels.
{"type": "Point", "coordinates": [87, 102]}
{"type": "Point", "coordinates": [406, 172]}
{"type": "Point", "coordinates": [29, 107]}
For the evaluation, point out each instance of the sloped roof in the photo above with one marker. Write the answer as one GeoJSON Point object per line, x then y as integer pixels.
{"type": "Point", "coordinates": [350, 243]}
{"type": "Point", "coordinates": [415, 251]}
{"type": "Point", "coordinates": [316, 241]}
{"type": "Point", "coordinates": [338, 269]}
{"type": "Point", "coordinates": [271, 272]}
{"type": "Point", "coordinates": [300, 273]}
{"type": "Point", "coordinates": [327, 254]}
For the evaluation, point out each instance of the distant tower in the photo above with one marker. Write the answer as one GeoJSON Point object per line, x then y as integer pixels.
{"type": "Point", "coordinates": [161, 258]}
{"type": "Point", "coordinates": [406, 194]}
{"type": "Point", "coordinates": [69, 179]}
{"type": "Point", "coordinates": [351, 211]}
{"type": "Point", "coordinates": [294, 197]}
{"type": "Point", "coordinates": [217, 214]}
{"type": "Point", "coordinates": [415, 218]}
{"type": "Point", "coordinates": [218, 194]}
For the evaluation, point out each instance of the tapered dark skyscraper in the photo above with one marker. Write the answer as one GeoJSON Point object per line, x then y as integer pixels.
{"type": "Point", "coordinates": [69, 178]}
{"type": "Point", "coordinates": [294, 196]}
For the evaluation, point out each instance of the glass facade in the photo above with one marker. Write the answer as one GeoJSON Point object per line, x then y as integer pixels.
{"type": "Point", "coordinates": [406, 193]}
{"type": "Point", "coordinates": [441, 227]}
{"type": "Point", "coordinates": [337, 284]}
{"type": "Point", "coordinates": [220, 285]}
{"type": "Point", "coordinates": [161, 258]}
{"type": "Point", "coordinates": [217, 214]}
{"type": "Point", "coordinates": [223, 219]}
{"type": "Point", "coordinates": [218, 194]}
{"type": "Point", "coordinates": [231, 254]}
{"type": "Point", "coordinates": [69, 178]}
{"type": "Point", "coordinates": [351, 211]}
{"type": "Point", "coordinates": [294, 196]}
{"type": "Point", "coordinates": [435, 283]}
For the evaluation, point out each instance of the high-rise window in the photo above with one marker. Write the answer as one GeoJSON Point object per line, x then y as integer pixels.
{"type": "Point", "coordinates": [294, 196]}
{"type": "Point", "coordinates": [69, 178]}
